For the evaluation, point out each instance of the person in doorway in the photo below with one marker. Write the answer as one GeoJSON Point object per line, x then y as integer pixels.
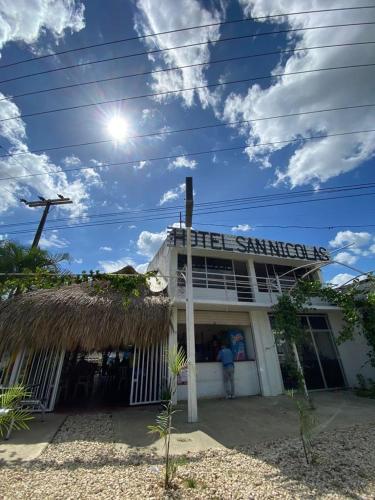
{"type": "Point", "coordinates": [226, 357]}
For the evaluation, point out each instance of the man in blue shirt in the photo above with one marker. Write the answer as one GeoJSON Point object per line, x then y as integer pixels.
{"type": "Point", "coordinates": [226, 357]}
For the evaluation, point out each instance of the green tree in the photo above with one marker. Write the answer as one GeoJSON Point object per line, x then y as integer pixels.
{"type": "Point", "coordinates": [17, 258]}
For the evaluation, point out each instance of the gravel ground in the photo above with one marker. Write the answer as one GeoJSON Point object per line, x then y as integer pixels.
{"type": "Point", "coordinates": [84, 462]}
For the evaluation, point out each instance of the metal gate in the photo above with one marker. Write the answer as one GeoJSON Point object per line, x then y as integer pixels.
{"type": "Point", "coordinates": [149, 375]}
{"type": "Point", "coordinates": [39, 371]}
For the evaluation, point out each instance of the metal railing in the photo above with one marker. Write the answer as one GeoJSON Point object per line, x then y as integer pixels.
{"type": "Point", "coordinates": [237, 287]}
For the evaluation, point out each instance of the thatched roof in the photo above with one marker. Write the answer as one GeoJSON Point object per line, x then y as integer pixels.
{"type": "Point", "coordinates": [76, 316]}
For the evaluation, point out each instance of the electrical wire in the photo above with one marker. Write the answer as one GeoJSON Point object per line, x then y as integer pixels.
{"type": "Point", "coordinates": [179, 30]}
{"type": "Point", "coordinates": [215, 61]}
{"type": "Point", "coordinates": [197, 153]}
{"type": "Point", "coordinates": [216, 203]}
{"type": "Point", "coordinates": [121, 221]}
{"type": "Point", "coordinates": [276, 226]}
{"type": "Point", "coordinates": [178, 91]}
{"type": "Point", "coordinates": [189, 129]}
{"type": "Point", "coordinates": [177, 47]}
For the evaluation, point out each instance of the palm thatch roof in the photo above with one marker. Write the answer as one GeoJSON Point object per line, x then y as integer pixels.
{"type": "Point", "coordinates": [77, 317]}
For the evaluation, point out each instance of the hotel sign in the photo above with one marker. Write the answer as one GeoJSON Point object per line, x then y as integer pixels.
{"type": "Point", "coordinates": [245, 245]}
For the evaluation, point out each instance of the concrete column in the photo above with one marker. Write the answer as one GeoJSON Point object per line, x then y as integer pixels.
{"type": "Point", "coordinates": [268, 362]}
{"type": "Point", "coordinates": [251, 268]}
{"type": "Point", "coordinates": [172, 340]}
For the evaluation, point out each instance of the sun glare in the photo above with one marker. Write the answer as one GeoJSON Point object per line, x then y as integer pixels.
{"type": "Point", "coordinates": [117, 128]}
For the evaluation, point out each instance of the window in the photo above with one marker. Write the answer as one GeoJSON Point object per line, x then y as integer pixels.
{"type": "Point", "coordinates": [209, 338]}
{"type": "Point", "coordinates": [273, 277]}
{"type": "Point", "coordinates": [219, 274]}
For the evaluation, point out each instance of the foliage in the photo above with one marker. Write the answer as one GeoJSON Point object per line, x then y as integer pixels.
{"type": "Point", "coordinates": [357, 304]}
{"type": "Point", "coordinates": [129, 285]}
{"type": "Point", "coordinates": [191, 482]}
{"type": "Point", "coordinates": [307, 423]}
{"type": "Point", "coordinates": [16, 258]}
{"type": "Point", "coordinates": [366, 388]}
{"type": "Point", "coordinates": [17, 418]}
{"type": "Point", "coordinates": [163, 426]}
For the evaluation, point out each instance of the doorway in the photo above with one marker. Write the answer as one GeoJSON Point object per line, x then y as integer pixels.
{"type": "Point", "coordinates": [318, 356]}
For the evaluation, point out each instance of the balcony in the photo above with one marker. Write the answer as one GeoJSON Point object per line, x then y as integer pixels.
{"type": "Point", "coordinates": [230, 287]}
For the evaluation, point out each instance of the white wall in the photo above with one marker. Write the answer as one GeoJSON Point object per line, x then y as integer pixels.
{"type": "Point", "coordinates": [353, 353]}
{"type": "Point", "coordinates": [210, 382]}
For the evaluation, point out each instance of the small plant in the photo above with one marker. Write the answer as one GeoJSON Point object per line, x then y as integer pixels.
{"type": "Point", "coordinates": [191, 482]}
{"type": "Point", "coordinates": [307, 423]}
{"type": "Point", "coordinates": [366, 388]}
{"type": "Point", "coordinates": [163, 426]}
{"type": "Point", "coordinates": [16, 418]}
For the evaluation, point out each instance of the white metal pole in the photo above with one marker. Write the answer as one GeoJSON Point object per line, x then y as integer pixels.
{"type": "Point", "coordinates": [190, 335]}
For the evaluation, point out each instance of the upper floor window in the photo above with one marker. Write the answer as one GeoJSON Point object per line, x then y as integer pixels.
{"type": "Point", "coordinates": [220, 274]}
{"type": "Point", "coordinates": [273, 277]}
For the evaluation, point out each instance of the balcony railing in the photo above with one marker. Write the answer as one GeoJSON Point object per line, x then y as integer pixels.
{"type": "Point", "coordinates": [234, 287]}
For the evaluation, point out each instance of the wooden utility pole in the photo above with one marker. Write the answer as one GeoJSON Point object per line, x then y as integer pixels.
{"type": "Point", "coordinates": [46, 204]}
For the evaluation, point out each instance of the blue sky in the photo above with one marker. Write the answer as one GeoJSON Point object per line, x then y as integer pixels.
{"type": "Point", "coordinates": [30, 29]}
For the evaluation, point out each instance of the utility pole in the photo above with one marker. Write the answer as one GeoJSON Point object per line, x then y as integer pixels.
{"type": "Point", "coordinates": [46, 204]}
{"type": "Point", "coordinates": [190, 331]}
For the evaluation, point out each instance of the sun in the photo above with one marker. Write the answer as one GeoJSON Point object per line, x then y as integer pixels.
{"type": "Point", "coordinates": [117, 128]}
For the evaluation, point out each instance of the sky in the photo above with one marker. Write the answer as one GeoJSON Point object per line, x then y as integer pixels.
{"type": "Point", "coordinates": [120, 212]}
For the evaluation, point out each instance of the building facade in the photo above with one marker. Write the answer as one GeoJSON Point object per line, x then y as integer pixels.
{"type": "Point", "coordinates": [236, 281]}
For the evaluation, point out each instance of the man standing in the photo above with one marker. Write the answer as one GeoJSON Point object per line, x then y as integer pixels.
{"type": "Point", "coordinates": [226, 357]}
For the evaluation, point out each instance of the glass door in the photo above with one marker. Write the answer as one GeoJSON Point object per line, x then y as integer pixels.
{"type": "Point", "coordinates": [326, 352]}
{"type": "Point", "coordinates": [328, 359]}
{"type": "Point", "coordinates": [310, 364]}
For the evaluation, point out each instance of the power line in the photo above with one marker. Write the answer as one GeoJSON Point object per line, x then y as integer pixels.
{"type": "Point", "coordinates": [178, 91]}
{"type": "Point", "coordinates": [225, 202]}
{"type": "Point", "coordinates": [168, 217]}
{"type": "Point", "coordinates": [275, 226]}
{"type": "Point", "coordinates": [178, 30]}
{"type": "Point", "coordinates": [284, 203]}
{"type": "Point", "coordinates": [189, 129]}
{"type": "Point", "coordinates": [205, 63]}
{"type": "Point", "coordinates": [177, 47]}
{"type": "Point", "coordinates": [196, 153]}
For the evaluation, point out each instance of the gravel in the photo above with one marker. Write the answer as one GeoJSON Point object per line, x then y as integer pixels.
{"type": "Point", "coordinates": [84, 462]}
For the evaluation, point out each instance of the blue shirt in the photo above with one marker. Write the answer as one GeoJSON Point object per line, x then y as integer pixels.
{"type": "Point", "coordinates": [226, 357]}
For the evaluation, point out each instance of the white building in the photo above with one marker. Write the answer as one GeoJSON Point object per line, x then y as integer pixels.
{"type": "Point", "coordinates": [236, 281]}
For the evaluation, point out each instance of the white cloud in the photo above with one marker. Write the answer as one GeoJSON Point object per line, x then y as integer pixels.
{"type": "Point", "coordinates": [356, 240]}
{"type": "Point", "coordinates": [141, 165]}
{"type": "Point", "coordinates": [142, 268]}
{"type": "Point", "coordinates": [341, 279]}
{"type": "Point", "coordinates": [346, 258]}
{"type": "Point", "coordinates": [319, 160]}
{"type": "Point", "coordinates": [106, 249]}
{"type": "Point", "coordinates": [110, 266]}
{"type": "Point", "coordinates": [52, 240]}
{"type": "Point", "coordinates": [26, 20]}
{"type": "Point", "coordinates": [78, 261]}
{"type": "Point", "coordinates": [241, 227]}
{"type": "Point", "coordinates": [182, 162]}
{"type": "Point", "coordinates": [71, 161]}
{"type": "Point", "coordinates": [153, 18]}
{"type": "Point", "coordinates": [91, 176]}
{"type": "Point", "coordinates": [360, 245]}
{"type": "Point", "coordinates": [149, 243]}
{"type": "Point", "coordinates": [172, 194]}
{"type": "Point", "coordinates": [20, 165]}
